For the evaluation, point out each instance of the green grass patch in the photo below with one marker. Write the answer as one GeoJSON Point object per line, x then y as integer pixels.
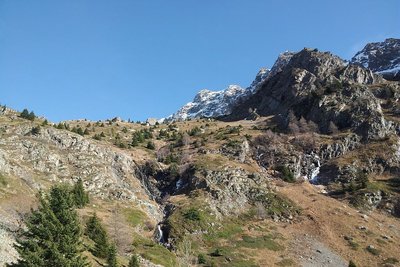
{"type": "Point", "coordinates": [211, 162]}
{"type": "Point", "coordinates": [134, 216]}
{"type": "Point", "coordinates": [3, 180]}
{"type": "Point", "coordinates": [265, 241]}
{"type": "Point", "coordinates": [276, 204]}
{"type": "Point", "coordinates": [229, 230]}
{"type": "Point", "coordinates": [153, 252]}
{"type": "Point", "coordinates": [190, 216]}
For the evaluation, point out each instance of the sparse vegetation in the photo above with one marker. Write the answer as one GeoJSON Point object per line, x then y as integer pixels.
{"type": "Point", "coordinates": [25, 114]}
{"type": "Point", "coordinates": [373, 250]}
{"type": "Point", "coordinates": [287, 174]}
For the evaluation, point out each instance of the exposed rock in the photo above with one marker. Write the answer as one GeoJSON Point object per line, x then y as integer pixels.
{"type": "Point", "coordinates": [61, 156]}
{"type": "Point", "coordinates": [381, 57]}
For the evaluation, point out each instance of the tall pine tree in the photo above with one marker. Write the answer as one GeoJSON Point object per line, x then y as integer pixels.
{"type": "Point", "coordinates": [96, 232]}
{"type": "Point", "coordinates": [81, 197]}
{"type": "Point", "coordinates": [112, 256]}
{"type": "Point", "coordinates": [53, 234]}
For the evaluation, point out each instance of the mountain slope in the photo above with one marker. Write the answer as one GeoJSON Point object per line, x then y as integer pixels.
{"type": "Point", "coordinates": [212, 104]}
{"type": "Point", "coordinates": [312, 180]}
{"type": "Point", "coordinates": [321, 87]}
{"type": "Point", "coordinates": [381, 57]}
{"type": "Point", "coordinates": [217, 103]}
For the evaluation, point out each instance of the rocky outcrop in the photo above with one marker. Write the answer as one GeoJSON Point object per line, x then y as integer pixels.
{"type": "Point", "coordinates": [60, 156]}
{"type": "Point", "coordinates": [381, 57]}
{"type": "Point", "coordinates": [212, 104]}
{"type": "Point", "coordinates": [321, 87]}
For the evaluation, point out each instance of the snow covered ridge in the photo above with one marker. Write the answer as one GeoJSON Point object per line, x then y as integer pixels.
{"type": "Point", "coordinates": [211, 104]}
{"type": "Point", "coordinates": [381, 57]}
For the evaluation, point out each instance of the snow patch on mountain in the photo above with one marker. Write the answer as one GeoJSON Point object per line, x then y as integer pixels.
{"type": "Point", "coordinates": [211, 104]}
{"type": "Point", "coordinates": [381, 57]}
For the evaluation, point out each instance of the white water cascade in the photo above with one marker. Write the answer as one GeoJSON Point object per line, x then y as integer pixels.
{"type": "Point", "coordinates": [314, 174]}
{"type": "Point", "coordinates": [160, 234]}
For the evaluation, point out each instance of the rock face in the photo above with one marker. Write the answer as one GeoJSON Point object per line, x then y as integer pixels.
{"type": "Point", "coordinates": [321, 87]}
{"type": "Point", "coordinates": [381, 57]}
{"type": "Point", "coordinates": [212, 104]}
{"type": "Point", "coordinates": [60, 156]}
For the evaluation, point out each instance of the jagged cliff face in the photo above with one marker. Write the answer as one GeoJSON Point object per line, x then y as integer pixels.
{"type": "Point", "coordinates": [321, 87]}
{"type": "Point", "coordinates": [210, 103]}
{"type": "Point", "coordinates": [381, 57]}
{"type": "Point", "coordinates": [213, 104]}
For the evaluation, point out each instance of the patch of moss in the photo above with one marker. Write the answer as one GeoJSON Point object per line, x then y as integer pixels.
{"type": "Point", "coordinates": [3, 180]}
{"type": "Point", "coordinates": [134, 216]}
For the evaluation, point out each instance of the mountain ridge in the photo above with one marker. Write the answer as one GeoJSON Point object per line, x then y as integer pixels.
{"type": "Point", "coordinates": [214, 104]}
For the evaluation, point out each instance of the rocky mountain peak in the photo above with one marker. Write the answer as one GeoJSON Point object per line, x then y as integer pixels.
{"type": "Point", "coordinates": [316, 62]}
{"type": "Point", "coordinates": [381, 57]}
{"type": "Point", "coordinates": [281, 62]}
{"type": "Point", "coordinates": [262, 74]}
{"type": "Point", "coordinates": [209, 103]}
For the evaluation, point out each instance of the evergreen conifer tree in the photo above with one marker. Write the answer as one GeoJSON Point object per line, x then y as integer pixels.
{"type": "Point", "coordinates": [53, 235]}
{"type": "Point", "coordinates": [112, 256]}
{"type": "Point", "coordinates": [81, 198]}
{"type": "Point", "coordinates": [98, 234]}
{"type": "Point", "coordinates": [24, 114]}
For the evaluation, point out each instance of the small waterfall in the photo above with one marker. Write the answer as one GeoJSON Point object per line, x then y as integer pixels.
{"type": "Point", "coordinates": [179, 184]}
{"type": "Point", "coordinates": [314, 174]}
{"type": "Point", "coordinates": [160, 234]}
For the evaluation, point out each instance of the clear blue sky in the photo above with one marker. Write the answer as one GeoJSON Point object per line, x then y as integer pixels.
{"type": "Point", "coordinates": [136, 59]}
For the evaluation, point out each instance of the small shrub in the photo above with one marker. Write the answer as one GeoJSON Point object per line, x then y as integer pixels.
{"type": "Point", "coordinates": [150, 145]}
{"type": "Point", "coordinates": [201, 259]}
{"type": "Point", "coordinates": [35, 130]}
{"type": "Point", "coordinates": [97, 137]}
{"type": "Point", "coordinates": [217, 253]}
{"type": "Point", "coordinates": [352, 264]}
{"type": "Point", "coordinates": [373, 250]}
{"type": "Point", "coordinates": [192, 214]}
{"type": "Point", "coordinates": [134, 261]}
{"type": "Point", "coordinates": [287, 174]}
